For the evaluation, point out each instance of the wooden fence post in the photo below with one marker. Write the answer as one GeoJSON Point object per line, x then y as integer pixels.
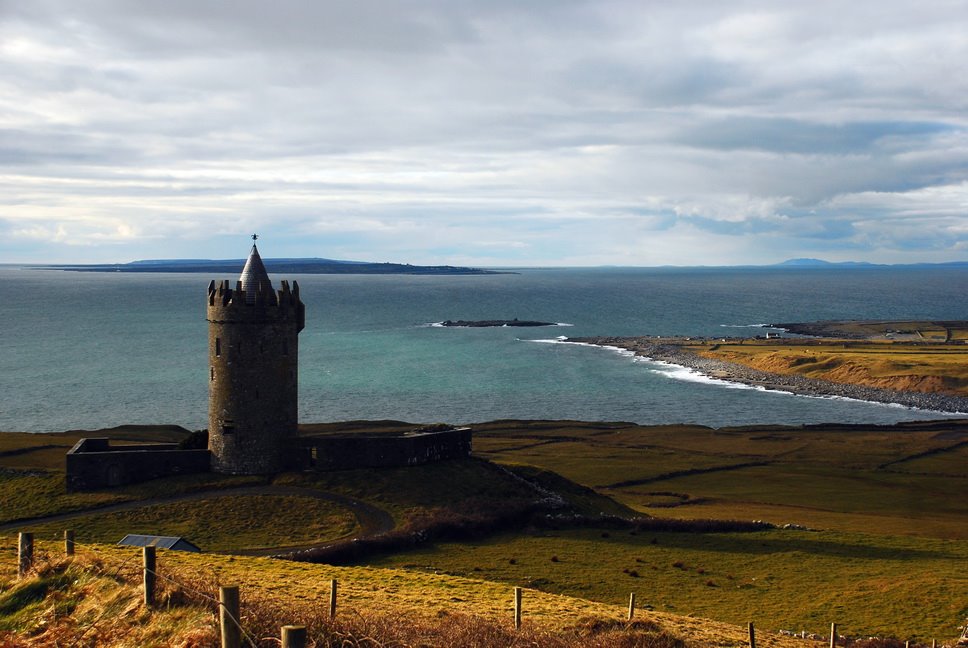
{"type": "Point", "coordinates": [631, 605]}
{"type": "Point", "coordinates": [752, 635]}
{"type": "Point", "coordinates": [332, 598]}
{"type": "Point", "coordinates": [833, 635]}
{"type": "Point", "coordinates": [294, 636]}
{"type": "Point", "coordinates": [517, 608]}
{"type": "Point", "coordinates": [148, 558]}
{"type": "Point", "coordinates": [69, 542]}
{"type": "Point", "coordinates": [25, 554]}
{"type": "Point", "coordinates": [228, 598]}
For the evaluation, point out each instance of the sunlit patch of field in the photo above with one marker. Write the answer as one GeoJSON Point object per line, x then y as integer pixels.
{"type": "Point", "coordinates": [784, 579]}
{"type": "Point", "coordinates": [941, 368]}
{"type": "Point", "coordinates": [227, 523]}
{"type": "Point", "coordinates": [104, 578]}
{"type": "Point", "coordinates": [34, 493]}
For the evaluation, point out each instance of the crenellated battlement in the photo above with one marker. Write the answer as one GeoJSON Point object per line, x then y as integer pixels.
{"type": "Point", "coordinates": [227, 303]}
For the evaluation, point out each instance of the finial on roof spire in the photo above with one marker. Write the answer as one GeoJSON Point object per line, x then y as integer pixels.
{"type": "Point", "coordinates": [254, 276]}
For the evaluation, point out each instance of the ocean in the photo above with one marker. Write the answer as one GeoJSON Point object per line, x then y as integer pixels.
{"type": "Point", "coordinates": [91, 350]}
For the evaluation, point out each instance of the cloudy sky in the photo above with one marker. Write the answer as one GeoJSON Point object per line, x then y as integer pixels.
{"type": "Point", "coordinates": [498, 132]}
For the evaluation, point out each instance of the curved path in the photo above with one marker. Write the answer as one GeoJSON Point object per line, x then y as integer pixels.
{"type": "Point", "coordinates": [372, 520]}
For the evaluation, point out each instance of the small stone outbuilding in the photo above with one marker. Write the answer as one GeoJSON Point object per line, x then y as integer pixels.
{"type": "Point", "coordinates": [162, 542]}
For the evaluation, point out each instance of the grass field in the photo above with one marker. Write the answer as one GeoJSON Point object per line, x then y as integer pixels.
{"type": "Point", "coordinates": [886, 504]}
{"type": "Point", "coordinates": [904, 480]}
{"type": "Point", "coordinates": [98, 597]}
{"type": "Point", "coordinates": [35, 493]}
{"type": "Point", "coordinates": [228, 523]}
{"type": "Point", "coordinates": [794, 580]}
{"type": "Point", "coordinates": [920, 367]}
{"type": "Point", "coordinates": [910, 330]}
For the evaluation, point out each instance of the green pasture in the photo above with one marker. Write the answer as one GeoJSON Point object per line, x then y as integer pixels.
{"type": "Point", "coordinates": [227, 523]}
{"type": "Point", "coordinates": [886, 507]}
{"type": "Point", "coordinates": [29, 494]}
{"type": "Point", "coordinates": [907, 479]}
{"type": "Point", "coordinates": [794, 580]}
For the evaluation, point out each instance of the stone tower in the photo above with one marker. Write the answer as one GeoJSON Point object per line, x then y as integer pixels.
{"type": "Point", "coordinates": [252, 353]}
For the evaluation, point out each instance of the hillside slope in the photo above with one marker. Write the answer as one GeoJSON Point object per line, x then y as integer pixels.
{"type": "Point", "coordinates": [94, 600]}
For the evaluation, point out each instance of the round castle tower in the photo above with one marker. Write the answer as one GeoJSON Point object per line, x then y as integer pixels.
{"type": "Point", "coordinates": [252, 351]}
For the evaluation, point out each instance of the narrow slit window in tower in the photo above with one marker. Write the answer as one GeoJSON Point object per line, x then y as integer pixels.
{"type": "Point", "coordinates": [218, 347]}
{"type": "Point", "coordinates": [212, 374]}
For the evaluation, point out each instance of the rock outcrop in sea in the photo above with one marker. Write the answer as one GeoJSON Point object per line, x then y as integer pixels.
{"type": "Point", "coordinates": [492, 323]}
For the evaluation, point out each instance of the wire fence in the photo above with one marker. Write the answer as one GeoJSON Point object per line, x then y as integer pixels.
{"type": "Point", "coordinates": [227, 604]}
{"type": "Point", "coordinates": [128, 571]}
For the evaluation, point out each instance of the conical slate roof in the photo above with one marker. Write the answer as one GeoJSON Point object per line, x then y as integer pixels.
{"type": "Point", "coordinates": [253, 275]}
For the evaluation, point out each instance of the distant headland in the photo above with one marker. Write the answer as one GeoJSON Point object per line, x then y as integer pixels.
{"type": "Point", "coordinates": [918, 364]}
{"type": "Point", "coordinates": [287, 266]}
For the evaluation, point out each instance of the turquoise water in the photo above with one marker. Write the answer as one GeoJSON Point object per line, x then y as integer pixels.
{"type": "Point", "coordinates": [89, 350]}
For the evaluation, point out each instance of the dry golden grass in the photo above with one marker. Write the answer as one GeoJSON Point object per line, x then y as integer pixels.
{"type": "Point", "coordinates": [99, 598]}
{"type": "Point", "coordinates": [927, 368]}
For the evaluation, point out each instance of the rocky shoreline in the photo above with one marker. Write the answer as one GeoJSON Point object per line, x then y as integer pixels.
{"type": "Point", "coordinates": [672, 350]}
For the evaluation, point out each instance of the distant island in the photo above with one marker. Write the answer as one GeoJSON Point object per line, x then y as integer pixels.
{"type": "Point", "coordinates": [485, 323]}
{"type": "Point", "coordinates": [281, 266]}
{"type": "Point", "coordinates": [820, 263]}
{"type": "Point", "coordinates": [334, 266]}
